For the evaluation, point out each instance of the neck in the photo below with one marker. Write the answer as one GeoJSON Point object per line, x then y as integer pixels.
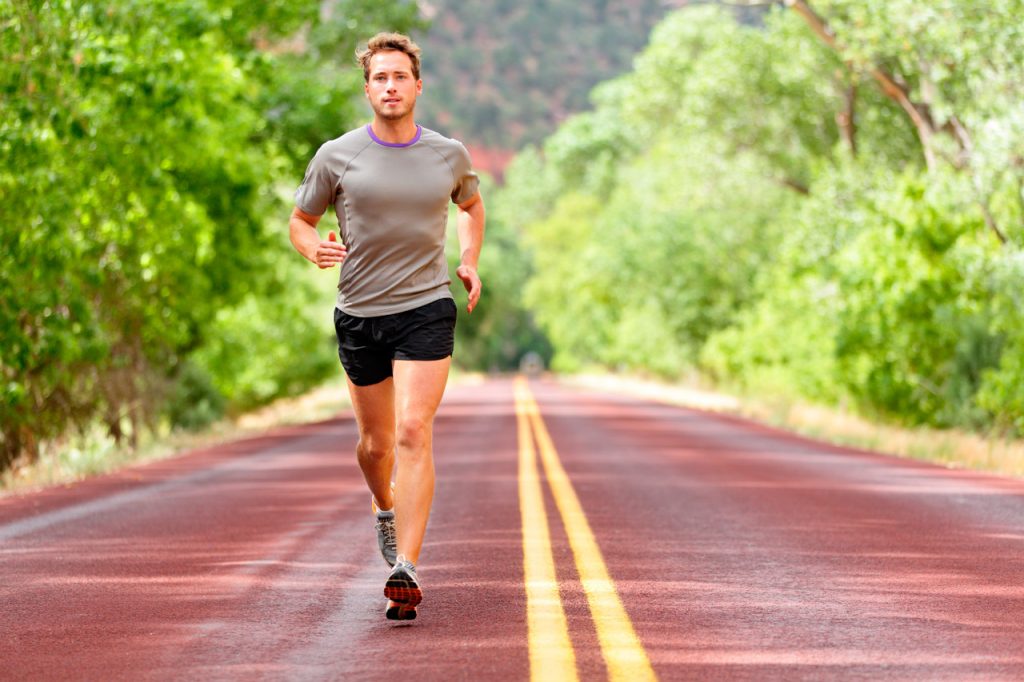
{"type": "Point", "coordinates": [394, 132]}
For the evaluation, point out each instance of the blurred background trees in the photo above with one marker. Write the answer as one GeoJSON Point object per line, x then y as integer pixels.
{"type": "Point", "coordinates": [827, 205]}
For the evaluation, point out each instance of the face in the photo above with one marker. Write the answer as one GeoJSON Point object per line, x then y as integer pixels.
{"type": "Point", "coordinates": [392, 89]}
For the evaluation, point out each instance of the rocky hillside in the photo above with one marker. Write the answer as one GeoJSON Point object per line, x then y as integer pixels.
{"type": "Point", "coordinates": [502, 74]}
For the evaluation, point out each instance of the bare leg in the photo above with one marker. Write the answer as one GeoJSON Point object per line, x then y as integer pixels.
{"type": "Point", "coordinates": [419, 386]}
{"type": "Point", "coordinates": [374, 407]}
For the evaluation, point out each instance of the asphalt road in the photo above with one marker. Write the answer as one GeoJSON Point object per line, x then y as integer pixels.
{"type": "Point", "coordinates": [573, 534]}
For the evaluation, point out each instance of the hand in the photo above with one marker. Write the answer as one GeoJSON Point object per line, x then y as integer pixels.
{"type": "Point", "coordinates": [471, 281]}
{"type": "Point", "coordinates": [330, 252]}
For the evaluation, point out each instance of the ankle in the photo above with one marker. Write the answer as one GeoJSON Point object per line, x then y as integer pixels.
{"type": "Point", "coordinates": [390, 506]}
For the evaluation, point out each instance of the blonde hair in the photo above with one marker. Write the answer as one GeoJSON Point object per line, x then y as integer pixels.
{"type": "Point", "coordinates": [384, 42]}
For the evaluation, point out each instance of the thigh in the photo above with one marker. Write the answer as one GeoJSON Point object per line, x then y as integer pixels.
{"type": "Point", "coordinates": [374, 407]}
{"type": "Point", "coordinates": [419, 386]}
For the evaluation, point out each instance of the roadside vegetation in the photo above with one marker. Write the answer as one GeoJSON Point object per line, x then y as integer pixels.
{"type": "Point", "coordinates": [951, 448]}
{"type": "Point", "coordinates": [826, 208]}
{"type": "Point", "coordinates": [79, 456]}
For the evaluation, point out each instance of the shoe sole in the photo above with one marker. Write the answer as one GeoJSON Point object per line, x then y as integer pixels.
{"type": "Point", "coordinates": [400, 612]}
{"type": "Point", "coordinates": [403, 589]}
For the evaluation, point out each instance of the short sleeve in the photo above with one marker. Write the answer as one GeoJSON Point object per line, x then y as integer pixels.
{"type": "Point", "coordinates": [466, 180]}
{"type": "Point", "coordinates": [319, 188]}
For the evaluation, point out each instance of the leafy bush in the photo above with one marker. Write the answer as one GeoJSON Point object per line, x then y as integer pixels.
{"type": "Point", "coordinates": [195, 402]}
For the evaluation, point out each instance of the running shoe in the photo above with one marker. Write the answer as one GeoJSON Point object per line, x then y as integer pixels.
{"type": "Point", "coordinates": [386, 537]}
{"type": "Point", "coordinates": [397, 611]}
{"type": "Point", "coordinates": [402, 586]}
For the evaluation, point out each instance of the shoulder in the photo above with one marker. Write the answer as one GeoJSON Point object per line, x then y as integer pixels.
{"type": "Point", "coordinates": [453, 151]}
{"type": "Point", "coordinates": [343, 149]}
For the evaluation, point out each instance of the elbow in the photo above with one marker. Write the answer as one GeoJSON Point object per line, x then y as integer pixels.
{"type": "Point", "coordinates": [472, 204]}
{"type": "Point", "coordinates": [476, 212]}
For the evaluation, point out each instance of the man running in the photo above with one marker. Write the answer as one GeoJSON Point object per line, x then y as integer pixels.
{"type": "Point", "coordinates": [390, 183]}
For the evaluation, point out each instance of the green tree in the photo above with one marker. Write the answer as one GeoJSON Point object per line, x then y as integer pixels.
{"type": "Point", "coordinates": [826, 205]}
{"type": "Point", "coordinates": [143, 144]}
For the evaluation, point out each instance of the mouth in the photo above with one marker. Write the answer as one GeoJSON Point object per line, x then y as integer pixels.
{"type": "Point", "coordinates": [392, 100]}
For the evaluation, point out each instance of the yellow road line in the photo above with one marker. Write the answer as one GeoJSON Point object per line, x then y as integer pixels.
{"type": "Point", "coordinates": [623, 653]}
{"type": "Point", "coordinates": [551, 653]}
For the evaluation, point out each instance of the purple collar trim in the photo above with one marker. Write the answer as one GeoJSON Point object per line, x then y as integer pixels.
{"type": "Point", "coordinates": [414, 140]}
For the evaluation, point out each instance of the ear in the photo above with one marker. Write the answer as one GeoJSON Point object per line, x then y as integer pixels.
{"type": "Point", "coordinates": [366, 89]}
{"type": "Point", "coordinates": [419, 87]}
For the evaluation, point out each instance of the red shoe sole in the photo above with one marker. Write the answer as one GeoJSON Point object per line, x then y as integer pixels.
{"type": "Point", "coordinates": [400, 612]}
{"type": "Point", "coordinates": [409, 596]}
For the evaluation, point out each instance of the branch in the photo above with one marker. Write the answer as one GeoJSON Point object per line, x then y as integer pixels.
{"type": "Point", "coordinates": [982, 201]}
{"type": "Point", "coordinates": [989, 220]}
{"type": "Point", "coordinates": [794, 185]}
{"type": "Point", "coordinates": [847, 118]}
{"type": "Point", "coordinates": [892, 89]}
{"type": "Point", "coordinates": [959, 132]}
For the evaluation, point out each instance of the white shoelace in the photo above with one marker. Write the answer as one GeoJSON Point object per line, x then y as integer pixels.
{"type": "Point", "coordinates": [387, 526]}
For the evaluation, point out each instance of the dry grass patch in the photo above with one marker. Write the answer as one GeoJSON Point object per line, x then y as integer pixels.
{"type": "Point", "coordinates": [951, 448]}
{"type": "Point", "coordinates": [95, 453]}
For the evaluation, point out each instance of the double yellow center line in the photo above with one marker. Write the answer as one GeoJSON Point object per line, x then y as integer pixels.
{"type": "Point", "coordinates": [551, 653]}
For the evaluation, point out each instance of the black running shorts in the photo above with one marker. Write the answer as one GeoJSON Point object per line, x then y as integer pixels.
{"type": "Point", "coordinates": [367, 345]}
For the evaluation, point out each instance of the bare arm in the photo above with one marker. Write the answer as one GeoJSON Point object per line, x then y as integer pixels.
{"type": "Point", "coordinates": [469, 222]}
{"type": "Point", "coordinates": [306, 240]}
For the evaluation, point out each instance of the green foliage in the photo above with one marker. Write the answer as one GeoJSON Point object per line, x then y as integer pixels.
{"type": "Point", "coordinates": [895, 316]}
{"type": "Point", "coordinates": [142, 145]}
{"type": "Point", "coordinates": [278, 340]}
{"type": "Point", "coordinates": [653, 239]}
{"type": "Point", "coordinates": [656, 266]}
{"type": "Point", "coordinates": [720, 210]}
{"type": "Point", "coordinates": [194, 403]}
{"type": "Point", "coordinates": [564, 293]}
{"type": "Point", "coordinates": [1002, 386]}
{"type": "Point", "coordinates": [912, 336]}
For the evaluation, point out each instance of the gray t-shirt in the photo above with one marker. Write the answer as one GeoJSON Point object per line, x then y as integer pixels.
{"type": "Point", "coordinates": [392, 207]}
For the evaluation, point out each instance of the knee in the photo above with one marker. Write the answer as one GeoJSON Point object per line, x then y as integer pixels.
{"type": "Point", "coordinates": [374, 448]}
{"type": "Point", "coordinates": [414, 434]}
